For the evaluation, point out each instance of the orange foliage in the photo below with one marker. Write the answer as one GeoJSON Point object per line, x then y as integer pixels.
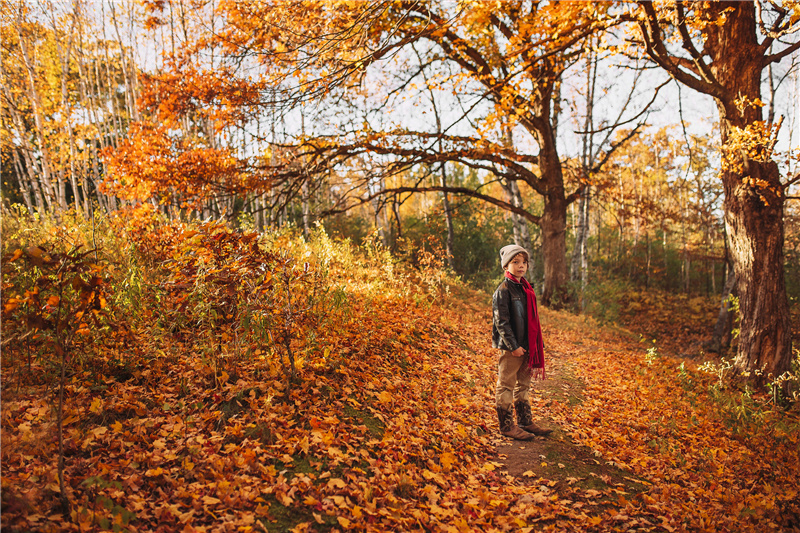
{"type": "Point", "coordinates": [150, 163]}
{"type": "Point", "coordinates": [390, 426]}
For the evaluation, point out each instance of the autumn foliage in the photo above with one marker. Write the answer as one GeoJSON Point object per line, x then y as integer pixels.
{"type": "Point", "coordinates": [228, 381]}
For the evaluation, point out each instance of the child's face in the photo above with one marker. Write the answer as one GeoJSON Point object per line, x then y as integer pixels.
{"type": "Point", "coordinates": [518, 266]}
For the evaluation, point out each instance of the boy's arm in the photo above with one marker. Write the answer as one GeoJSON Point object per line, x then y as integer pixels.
{"type": "Point", "coordinates": [501, 315]}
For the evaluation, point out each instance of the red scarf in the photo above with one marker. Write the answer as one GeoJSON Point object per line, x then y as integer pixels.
{"type": "Point", "coordinates": [535, 341]}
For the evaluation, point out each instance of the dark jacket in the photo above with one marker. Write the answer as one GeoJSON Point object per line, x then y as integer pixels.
{"type": "Point", "coordinates": [509, 316]}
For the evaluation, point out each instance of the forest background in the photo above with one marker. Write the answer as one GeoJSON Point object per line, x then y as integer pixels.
{"type": "Point", "coordinates": [426, 136]}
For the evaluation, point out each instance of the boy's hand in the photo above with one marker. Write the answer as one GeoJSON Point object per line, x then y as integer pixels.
{"type": "Point", "coordinates": [519, 352]}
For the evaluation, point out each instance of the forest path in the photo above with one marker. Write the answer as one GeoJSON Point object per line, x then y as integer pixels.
{"type": "Point", "coordinates": [557, 465]}
{"type": "Point", "coordinates": [642, 440]}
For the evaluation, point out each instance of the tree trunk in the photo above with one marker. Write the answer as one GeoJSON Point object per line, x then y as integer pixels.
{"type": "Point", "coordinates": [36, 103]}
{"type": "Point", "coordinates": [18, 173]}
{"type": "Point", "coordinates": [728, 66]}
{"type": "Point", "coordinates": [448, 219]}
{"type": "Point", "coordinates": [522, 235]}
{"type": "Point", "coordinates": [64, 57]}
{"type": "Point", "coordinates": [554, 250]}
{"type": "Point", "coordinates": [554, 228]}
{"type": "Point", "coordinates": [723, 325]}
{"type": "Point", "coordinates": [756, 232]}
{"type": "Point", "coordinates": [553, 222]}
{"type": "Point", "coordinates": [580, 253]}
{"type": "Point", "coordinates": [753, 214]}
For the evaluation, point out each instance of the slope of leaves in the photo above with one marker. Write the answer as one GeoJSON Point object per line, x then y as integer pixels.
{"type": "Point", "coordinates": [717, 459]}
{"type": "Point", "coordinates": [196, 423]}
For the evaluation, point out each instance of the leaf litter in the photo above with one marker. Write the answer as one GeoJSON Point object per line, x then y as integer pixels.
{"type": "Point", "coordinates": [391, 426]}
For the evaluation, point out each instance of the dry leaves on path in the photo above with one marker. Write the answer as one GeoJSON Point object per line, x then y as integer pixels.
{"type": "Point", "coordinates": [390, 427]}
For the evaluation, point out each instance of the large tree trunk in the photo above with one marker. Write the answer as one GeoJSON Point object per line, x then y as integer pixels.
{"type": "Point", "coordinates": [755, 226]}
{"type": "Point", "coordinates": [727, 61]}
{"type": "Point", "coordinates": [753, 200]}
{"type": "Point", "coordinates": [554, 249]}
{"type": "Point", "coordinates": [553, 222]}
{"type": "Point", "coordinates": [554, 227]}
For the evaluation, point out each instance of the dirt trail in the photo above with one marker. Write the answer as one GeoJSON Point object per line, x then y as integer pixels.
{"type": "Point", "coordinates": [556, 461]}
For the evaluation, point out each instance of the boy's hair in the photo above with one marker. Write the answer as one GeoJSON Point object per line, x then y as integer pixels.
{"type": "Point", "coordinates": [507, 253]}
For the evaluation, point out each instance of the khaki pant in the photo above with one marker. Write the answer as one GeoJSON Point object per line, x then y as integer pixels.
{"type": "Point", "coordinates": [513, 380]}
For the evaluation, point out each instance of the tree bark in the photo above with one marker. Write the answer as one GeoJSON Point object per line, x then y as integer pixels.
{"type": "Point", "coordinates": [728, 66]}
{"type": "Point", "coordinates": [723, 326]}
{"type": "Point", "coordinates": [554, 225]}
{"type": "Point", "coordinates": [580, 254]}
{"type": "Point", "coordinates": [753, 215]}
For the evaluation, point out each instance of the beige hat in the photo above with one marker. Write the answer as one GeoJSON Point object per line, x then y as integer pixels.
{"type": "Point", "coordinates": [507, 253]}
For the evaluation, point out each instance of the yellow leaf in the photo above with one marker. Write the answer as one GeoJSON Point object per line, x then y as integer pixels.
{"type": "Point", "coordinates": [336, 483]}
{"type": "Point", "coordinates": [529, 473]}
{"type": "Point", "coordinates": [97, 406]}
{"type": "Point", "coordinates": [385, 397]}
{"type": "Point", "coordinates": [304, 444]}
{"type": "Point", "coordinates": [153, 472]}
{"type": "Point", "coordinates": [344, 522]}
{"type": "Point", "coordinates": [447, 459]}
{"type": "Point", "coordinates": [117, 426]}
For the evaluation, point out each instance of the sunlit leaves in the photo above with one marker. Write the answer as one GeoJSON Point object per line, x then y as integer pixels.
{"type": "Point", "coordinates": [390, 425]}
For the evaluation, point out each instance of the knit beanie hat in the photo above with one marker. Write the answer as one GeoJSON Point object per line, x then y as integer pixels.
{"type": "Point", "coordinates": [507, 253]}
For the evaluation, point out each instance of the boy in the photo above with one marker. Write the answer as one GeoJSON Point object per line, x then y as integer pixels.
{"type": "Point", "coordinates": [517, 333]}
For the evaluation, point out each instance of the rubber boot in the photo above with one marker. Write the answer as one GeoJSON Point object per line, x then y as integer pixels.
{"type": "Point", "coordinates": [525, 419]}
{"type": "Point", "coordinates": [507, 427]}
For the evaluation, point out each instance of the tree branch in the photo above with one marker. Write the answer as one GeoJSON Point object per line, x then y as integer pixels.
{"type": "Point", "coordinates": [774, 58]}
{"type": "Point", "coordinates": [463, 191]}
{"type": "Point", "coordinates": [657, 51]}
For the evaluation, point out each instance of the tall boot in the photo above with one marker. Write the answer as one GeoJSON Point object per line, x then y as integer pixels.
{"type": "Point", "coordinates": [507, 427]}
{"type": "Point", "coordinates": [525, 419]}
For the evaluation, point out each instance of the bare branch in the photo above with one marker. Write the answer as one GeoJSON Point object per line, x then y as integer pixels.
{"type": "Point", "coordinates": [506, 206]}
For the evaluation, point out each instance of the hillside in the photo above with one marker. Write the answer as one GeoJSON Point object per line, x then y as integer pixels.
{"type": "Point", "coordinates": [231, 382]}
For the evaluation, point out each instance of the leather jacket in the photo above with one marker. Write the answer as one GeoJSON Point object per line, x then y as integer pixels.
{"type": "Point", "coordinates": [509, 316]}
